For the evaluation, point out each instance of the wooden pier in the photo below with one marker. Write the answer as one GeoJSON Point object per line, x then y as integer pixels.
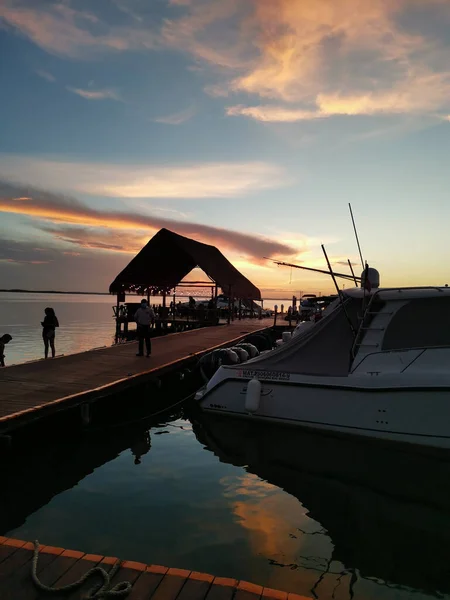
{"type": "Point", "coordinates": [33, 390]}
{"type": "Point", "coordinates": [58, 567]}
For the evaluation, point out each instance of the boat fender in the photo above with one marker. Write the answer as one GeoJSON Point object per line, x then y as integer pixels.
{"type": "Point", "coordinates": [251, 349]}
{"type": "Point", "coordinates": [241, 352]}
{"type": "Point", "coordinates": [208, 364]}
{"type": "Point", "coordinates": [253, 396]}
{"type": "Point", "coordinates": [261, 341]}
{"type": "Point", "coordinates": [228, 357]}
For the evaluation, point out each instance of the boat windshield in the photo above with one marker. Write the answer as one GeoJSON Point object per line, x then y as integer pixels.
{"type": "Point", "coordinates": [422, 323]}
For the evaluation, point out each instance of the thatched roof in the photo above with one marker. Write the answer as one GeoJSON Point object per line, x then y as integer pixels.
{"type": "Point", "coordinates": [169, 257]}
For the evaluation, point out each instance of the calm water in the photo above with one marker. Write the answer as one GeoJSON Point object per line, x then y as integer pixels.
{"type": "Point", "coordinates": [299, 512]}
{"type": "Point", "coordinates": [302, 513]}
{"type": "Point", "coordinates": [85, 322]}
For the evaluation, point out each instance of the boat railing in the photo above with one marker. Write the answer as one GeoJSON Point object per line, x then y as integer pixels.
{"type": "Point", "coordinates": [397, 350]}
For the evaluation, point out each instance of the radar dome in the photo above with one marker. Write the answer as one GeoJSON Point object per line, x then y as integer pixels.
{"type": "Point", "coordinates": [373, 277]}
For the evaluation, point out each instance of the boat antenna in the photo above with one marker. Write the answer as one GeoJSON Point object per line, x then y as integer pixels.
{"type": "Point", "coordinates": [356, 235]}
{"type": "Point", "coordinates": [341, 299]}
{"type": "Point", "coordinates": [331, 271]}
{"type": "Point", "coordinates": [285, 264]}
{"type": "Point", "coordinates": [352, 272]}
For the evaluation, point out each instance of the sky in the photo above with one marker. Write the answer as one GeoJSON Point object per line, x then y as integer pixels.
{"type": "Point", "coordinates": [247, 124]}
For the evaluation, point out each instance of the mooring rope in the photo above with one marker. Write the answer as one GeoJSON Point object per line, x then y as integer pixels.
{"type": "Point", "coordinates": [97, 592]}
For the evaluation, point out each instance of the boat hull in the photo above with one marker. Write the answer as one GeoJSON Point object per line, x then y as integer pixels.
{"type": "Point", "coordinates": [412, 415]}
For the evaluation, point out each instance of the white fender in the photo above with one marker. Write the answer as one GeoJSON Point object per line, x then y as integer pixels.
{"type": "Point", "coordinates": [253, 395]}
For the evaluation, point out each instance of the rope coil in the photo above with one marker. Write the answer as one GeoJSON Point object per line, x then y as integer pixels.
{"type": "Point", "coordinates": [97, 592]}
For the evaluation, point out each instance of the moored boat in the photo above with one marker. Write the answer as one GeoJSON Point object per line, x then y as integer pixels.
{"type": "Point", "coordinates": [372, 366]}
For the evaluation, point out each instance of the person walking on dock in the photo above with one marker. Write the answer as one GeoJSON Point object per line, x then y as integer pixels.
{"type": "Point", "coordinates": [144, 317]}
{"type": "Point", "coordinates": [49, 325]}
{"type": "Point", "coordinates": [4, 339]}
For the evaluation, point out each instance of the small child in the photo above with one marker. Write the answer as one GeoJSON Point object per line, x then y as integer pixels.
{"type": "Point", "coordinates": [5, 339]}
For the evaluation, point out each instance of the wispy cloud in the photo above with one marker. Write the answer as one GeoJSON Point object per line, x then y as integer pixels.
{"type": "Point", "coordinates": [296, 60]}
{"type": "Point", "coordinates": [177, 118]}
{"type": "Point", "coordinates": [97, 238]}
{"type": "Point", "coordinates": [62, 211]}
{"type": "Point", "coordinates": [94, 94]}
{"type": "Point", "coordinates": [125, 7]}
{"type": "Point", "coordinates": [419, 95]}
{"type": "Point", "coordinates": [64, 31]}
{"type": "Point", "coordinates": [24, 266]}
{"type": "Point", "coordinates": [19, 261]}
{"type": "Point", "coordinates": [197, 180]}
{"type": "Point", "coordinates": [46, 75]}
{"type": "Point", "coordinates": [272, 113]}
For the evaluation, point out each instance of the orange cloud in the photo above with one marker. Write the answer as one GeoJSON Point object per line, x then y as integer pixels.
{"type": "Point", "coordinates": [272, 113]}
{"type": "Point", "coordinates": [59, 209]}
{"type": "Point", "coordinates": [323, 58]}
{"type": "Point", "coordinates": [25, 262]}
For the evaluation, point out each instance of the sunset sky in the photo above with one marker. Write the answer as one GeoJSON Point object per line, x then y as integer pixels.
{"type": "Point", "coordinates": [247, 124]}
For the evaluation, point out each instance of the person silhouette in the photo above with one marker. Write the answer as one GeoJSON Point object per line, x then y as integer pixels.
{"type": "Point", "coordinates": [4, 339]}
{"type": "Point", "coordinates": [49, 325]}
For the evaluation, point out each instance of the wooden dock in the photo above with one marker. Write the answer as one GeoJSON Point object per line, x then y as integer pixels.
{"type": "Point", "coordinates": [58, 567]}
{"type": "Point", "coordinates": [33, 390]}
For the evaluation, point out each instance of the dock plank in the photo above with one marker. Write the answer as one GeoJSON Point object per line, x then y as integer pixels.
{"type": "Point", "coordinates": [18, 584]}
{"type": "Point", "coordinates": [127, 574]}
{"type": "Point", "coordinates": [74, 573]}
{"type": "Point", "coordinates": [145, 585]}
{"type": "Point", "coordinates": [195, 588]}
{"type": "Point", "coordinates": [6, 549]}
{"type": "Point", "coordinates": [58, 567]}
{"type": "Point", "coordinates": [248, 591]}
{"type": "Point", "coordinates": [14, 561]}
{"type": "Point", "coordinates": [222, 589]}
{"type": "Point", "coordinates": [171, 585]}
{"type": "Point", "coordinates": [42, 384]}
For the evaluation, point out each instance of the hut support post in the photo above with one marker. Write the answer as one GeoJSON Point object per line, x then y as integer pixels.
{"type": "Point", "coordinates": [229, 305]}
{"type": "Point", "coordinates": [240, 309]}
{"type": "Point", "coordinates": [173, 310]}
{"type": "Point", "coordinates": [118, 326]}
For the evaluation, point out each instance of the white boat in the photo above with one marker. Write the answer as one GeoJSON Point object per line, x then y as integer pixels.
{"type": "Point", "coordinates": [386, 510]}
{"type": "Point", "coordinates": [376, 365]}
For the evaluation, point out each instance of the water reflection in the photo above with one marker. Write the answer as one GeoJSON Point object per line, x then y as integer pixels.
{"type": "Point", "coordinates": [141, 446]}
{"type": "Point", "coordinates": [378, 517]}
{"type": "Point", "coordinates": [353, 521]}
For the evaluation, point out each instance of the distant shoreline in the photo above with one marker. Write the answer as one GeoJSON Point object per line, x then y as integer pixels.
{"type": "Point", "coordinates": [18, 291]}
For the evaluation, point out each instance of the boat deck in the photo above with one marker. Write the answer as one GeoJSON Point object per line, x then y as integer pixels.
{"type": "Point", "coordinates": [58, 567]}
{"type": "Point", "coordinates": [47, 385]}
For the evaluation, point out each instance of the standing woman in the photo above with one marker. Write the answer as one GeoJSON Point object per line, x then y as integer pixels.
{"type": "Point", "coordinates": [49, 325]}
